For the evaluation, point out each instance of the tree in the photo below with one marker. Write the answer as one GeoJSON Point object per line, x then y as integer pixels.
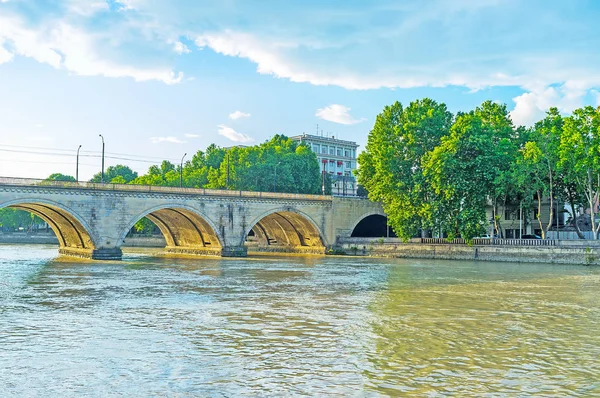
{"type": "Point", "coordinates": [580, 149]}
{"type": "Point", "coordinates": [13, 219]}
{"type": "Point", "coordinates": [60, 177]}
{"type": "Point", "coordinates": [464, 169]}
{"type": "Point", "coordinates": [391, 167]}
{"type": "Point", "coordinates": [112, 172]}
{"type": "Point", "coordinates": [541, 158]}
{"type": "Point", "coordinates": [163, 175]}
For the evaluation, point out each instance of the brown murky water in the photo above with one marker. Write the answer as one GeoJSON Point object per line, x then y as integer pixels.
{"type": "Point", "coordinates": [295, 326]}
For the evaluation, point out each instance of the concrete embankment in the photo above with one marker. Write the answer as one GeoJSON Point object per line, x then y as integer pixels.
{"type": "Point", "coordinates": [564, 252]}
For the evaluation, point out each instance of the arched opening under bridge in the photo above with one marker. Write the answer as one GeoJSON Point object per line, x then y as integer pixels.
{"type": "Point", "coordinates": [373, 226]}
{"type": "Point", "coordinates": [72, 233]}
{"type": "Point", "coordinates": [285, 232]}
{"type": "Point", "coordinates": [185, 231]}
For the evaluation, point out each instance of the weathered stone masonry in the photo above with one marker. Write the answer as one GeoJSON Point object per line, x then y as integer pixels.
{"type": "Point", "coordinates": [92, 220]}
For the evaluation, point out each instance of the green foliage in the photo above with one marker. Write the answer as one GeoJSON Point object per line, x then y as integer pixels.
{"type": "Point", "coordinates": [13, 219]}
{"type": "Point", "coordinates": [391, 167]}
{"type": "Point", "coordinates": [144, 227]}
{"type": "Point", "coordinates": [113, 172]}
{"type": "Point", "coordinates": [279, 164]}
{"type": "Point", "coordinates": [60, 177]}
{"type": "Point", "coordinates": [431, 171]}
{"type": "Point", "coordinates": [579, 152]}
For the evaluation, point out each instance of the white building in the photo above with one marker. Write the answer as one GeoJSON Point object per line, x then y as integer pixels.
{"type": "Point", "coordinates": [337, 158]}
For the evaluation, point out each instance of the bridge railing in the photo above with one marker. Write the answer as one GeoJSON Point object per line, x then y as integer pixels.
{"type": "Point", "coordinates": [33, 182]}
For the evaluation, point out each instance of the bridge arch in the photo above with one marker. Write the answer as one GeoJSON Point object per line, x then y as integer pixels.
{"type": "Point", "coordinates": [72, 231]}
{"type": "Point", "coordinates": [372, 225]}
{"type": "Point", "coordinates": [286, 230]}
{"type": "Point", "coordinates": [185, 229]}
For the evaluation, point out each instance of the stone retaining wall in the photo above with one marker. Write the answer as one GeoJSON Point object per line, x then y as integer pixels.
{"type": "Point", "coordinates": [583, 255]}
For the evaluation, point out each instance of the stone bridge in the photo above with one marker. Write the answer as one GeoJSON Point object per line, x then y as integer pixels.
{"type": "Point", "coordinates": [91, 220]}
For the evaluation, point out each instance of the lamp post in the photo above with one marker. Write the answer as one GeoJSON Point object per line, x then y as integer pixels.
{"type": "Point", "coordinates": [102, 175]}
{"type": "Point", "coordinates": [181, 171]}
{"type": "Point", "coordinates": [323, 179]}
{"type": "Point", "coordinates": [275, 178]}
{"type": "Point", "coordinates": [227, 182]}
{"type": "Point", "coordinates": [77, 165]}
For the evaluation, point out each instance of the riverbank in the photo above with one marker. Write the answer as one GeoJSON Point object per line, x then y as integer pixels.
{"type": "Point", "coordinates": [561, 252]}
{"type": "Point", "coordinates": [564, 252]}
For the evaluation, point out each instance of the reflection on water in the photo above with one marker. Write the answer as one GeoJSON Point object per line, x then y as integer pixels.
{"type": "Point", "coordinates": [315, 326]}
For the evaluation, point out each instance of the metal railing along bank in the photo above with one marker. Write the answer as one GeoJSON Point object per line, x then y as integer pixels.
{"type": "Point", "coordinates": [489, 241]}
{"type": "Point", "coordinates": [32, 182]}
{"type": "Point", "coordinates": [459, 241]}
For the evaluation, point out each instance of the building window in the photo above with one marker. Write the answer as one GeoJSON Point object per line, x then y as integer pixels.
{"type": "Point", "coordinates": [347, 154]}
{"type": "Point", "coordinates": [324, 149]}
{"type": "Point", "coordinates": [316, 148]}
{"type": "Point", "coordinates": [349, 165]}
{"type": "Point", "coordinates": [339, 152]}
{"type": "Point", "coordinates": [332, 151]}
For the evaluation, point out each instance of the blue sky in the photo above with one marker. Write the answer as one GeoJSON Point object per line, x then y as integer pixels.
{"type": "Point", "coordinates": [162, 78]}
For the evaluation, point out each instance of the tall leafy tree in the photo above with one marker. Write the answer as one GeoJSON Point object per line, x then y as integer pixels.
{"type": "Point", "coordinates": [580, 149]}
{"type": "Point", "coordinates": [391, 168]}
{"type": "Point", "coordinates": [464, 168]}
{"type": "Point", "coordinates": [541, 158]}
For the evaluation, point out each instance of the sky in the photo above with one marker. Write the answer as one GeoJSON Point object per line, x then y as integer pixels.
{"type": "Point", "coordinates": [160, 79]}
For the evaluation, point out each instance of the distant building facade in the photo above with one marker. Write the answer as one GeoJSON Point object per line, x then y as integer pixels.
{"type": "Point", "coordinates": [337, 158]}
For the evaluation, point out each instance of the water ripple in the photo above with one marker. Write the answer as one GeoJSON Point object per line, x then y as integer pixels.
{"type": "Point", "coordinates": [314, 326]}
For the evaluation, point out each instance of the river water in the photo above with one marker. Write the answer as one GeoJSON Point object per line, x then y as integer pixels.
{"type": "Point", "coordinates": [295, 326]}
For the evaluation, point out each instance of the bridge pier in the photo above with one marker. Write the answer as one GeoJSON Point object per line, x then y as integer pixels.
{"type": "Point", "coordinates": [228, 251]}
{"type": "Point", "coordinates": [234, 251]}
{"type": "Point", "coordinates": [92, 254]}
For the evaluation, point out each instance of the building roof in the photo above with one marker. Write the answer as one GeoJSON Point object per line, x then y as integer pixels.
{"type": "Point", "coordinates": [328, 140]}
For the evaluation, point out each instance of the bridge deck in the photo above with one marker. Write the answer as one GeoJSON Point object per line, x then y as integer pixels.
{"type": "Point", "coordinates": [31, 182]}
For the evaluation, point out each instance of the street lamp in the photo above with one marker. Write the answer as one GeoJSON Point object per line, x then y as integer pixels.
{"type": "Point", "coordinates": [227, 181]}
{"type": "Point", "coordinates": [181, 171]}
{"type": "Point", "coordinates": [323, 178]}
{"type": "Point", "coordinates": [77, 165]}
{"type": "Point", "coordinates": [102, 175]}
{"type": "Point", "coordinates": [275, 178]}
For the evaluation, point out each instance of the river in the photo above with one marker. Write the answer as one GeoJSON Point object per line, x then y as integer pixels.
{"type": "Point", "coordinates": [295, 326]}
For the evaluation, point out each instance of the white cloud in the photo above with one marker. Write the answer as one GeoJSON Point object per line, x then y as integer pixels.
{"type": "Point", "coordinates": [85, 7]}
{"type": "Point", "coordinates": [180, 48]}
{"type": "Point", "coordinates": [532, 106]}
{"type": "Point", "coordinates": [233, 135]}
{"type": "Point", "coordinates": [445, 46]}
{"type": "Point", "coordinates": [173, 140]}
{"type": "Point", "coordinates": [596, 94]}
{"type": "Point", "coordinates": [65, 46]}
{"type": "Point", "coordinates": [338, 114]}
{"type": "Point", "coordinates": [191, 135]}
{"type": "Point", "coordinates": [5, 56]}
{"type": "Point", "coordinates": [238, 114]}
